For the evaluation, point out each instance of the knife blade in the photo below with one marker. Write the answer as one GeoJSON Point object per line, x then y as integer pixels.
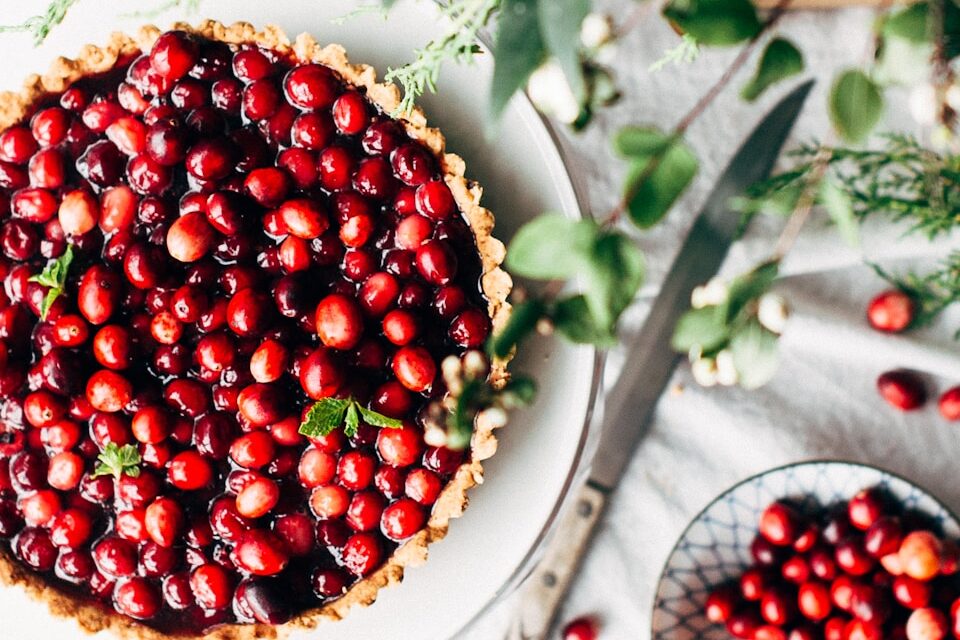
{"type": "Point", "coordinates": [648, 368]}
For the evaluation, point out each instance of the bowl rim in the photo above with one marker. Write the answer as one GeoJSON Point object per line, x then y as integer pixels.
{"type": "Point", "coordinates": [790, 465]}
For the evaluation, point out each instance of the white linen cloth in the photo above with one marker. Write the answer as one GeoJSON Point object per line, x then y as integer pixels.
{"type": "Point", "coordinates": [823, 402]}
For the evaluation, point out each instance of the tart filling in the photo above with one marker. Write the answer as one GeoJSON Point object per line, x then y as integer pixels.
{"type": "Point", "coordinates": [207, 231]}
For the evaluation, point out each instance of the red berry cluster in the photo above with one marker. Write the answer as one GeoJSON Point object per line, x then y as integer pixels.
{"type": "Point", "coordinates": [250, 234]}
{"type": "Point", "coordinates": [864, 570]}
{"type": "Point", "coordinates": [892, 312]}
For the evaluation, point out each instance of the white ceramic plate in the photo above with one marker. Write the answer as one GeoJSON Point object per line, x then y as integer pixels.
{"type": "Point", "coordinates": [523, 174]}
{"type": "Point", "coordinates": [715, 548]}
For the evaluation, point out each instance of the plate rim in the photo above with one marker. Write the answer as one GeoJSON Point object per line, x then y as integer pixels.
{"type": "Point", "coordinates": [790, 465]}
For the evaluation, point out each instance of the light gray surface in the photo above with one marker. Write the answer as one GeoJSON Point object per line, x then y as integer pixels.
{"type": "Point", "coordinates": [823, 403]}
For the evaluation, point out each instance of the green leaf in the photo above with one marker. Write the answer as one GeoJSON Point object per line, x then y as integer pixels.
{"type": "Point", "coordinates": [324, 416]}
{"type": "Point", "coordinates": [715, 22]}
{"type": "Point", "coordinates": [523, 320]}
{"type": "Point", "coordinates": [520, 390]}
{"type": "Point", "coordinates": [703, 328]}
{"type": "Point", "coordinates": [460, 420]}
{"type": "Point", "coordinates": [551, 247]}
{"type": "Point", "coordinates": [54, 276]}
{"type": "Point", "coordinates": [780, 60]}
{"type": "Point", "coordinates": [910, 24]}
{"type": "Point", "coordinates": [642, 142]}
{"type": "Point", "coordinates": [517, 51]}
{"type": "Point", "coordinates": [351, 421]}
{"type": "Point", "coordinates": [747, 287]}
{"type": "Point", "coordinates": [613, 275]}
{"type": "Point", "coordinates": [856, 105]}
{"type": "Point", "coordinates": [118, 461]}
{"type": "Point", "coordinates": [573, 319]}
{"type": "Point", "coordinates": [840, 209]}
{"type": "Point", "coordinates": [560, 24]}
{"type": "Point", "coordinates": [755, 355]}
{"type": "Point", "coordinates": [653, 184]}
{"type": "Point", "coordinates": [375, 419]}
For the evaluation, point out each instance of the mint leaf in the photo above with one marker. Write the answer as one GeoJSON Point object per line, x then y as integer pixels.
{"type": "Point", "coordinates": [118, 461]}
{"type": "Point", "coordinates": [780, 60]}
{"type": "Point", "coordinates": [54, 276]}
{"type": "Point", "coordinates": [371, 417]}
{"type": "Point", "coordinates": [517, 51]}
{"type": "Point", "coordinates": [352, 421]}
{"type": "Point", "coordinates": [324, 416]}
{"type": "Point", "coordinates": [856, 105]}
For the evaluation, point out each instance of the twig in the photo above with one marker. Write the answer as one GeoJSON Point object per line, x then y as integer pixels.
{"type": "Point", "coordinates": [40, 25]}
{"type": "Point", "coordinates": [702, 104]}
{"type": "Point", "coordinates": [801, 213]}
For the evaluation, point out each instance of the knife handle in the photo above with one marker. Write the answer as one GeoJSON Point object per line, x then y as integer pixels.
{"type": "Point", "coordinates": [546, 588]}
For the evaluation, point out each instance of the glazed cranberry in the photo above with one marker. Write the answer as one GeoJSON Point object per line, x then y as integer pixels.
{"type": "Point", "coordinates": [115, 557]}
{"type": "Point", "coordinates": [147, 176]}
{"type": "Point", "coordinates": [400, 447]}
{"type": "Point", "coordinates": [777, 606]}
{"type": "Point", "coordinates": [436, 262]}
{"type": "Point", "coordinates": [869, 604]}
{"type": "Point", "coordinates": [18, 239]}
{"type": "Point", "coordinates": [364, 511]}
{"type": "Point", "coordinates": [374, 178]}
{"type": "Point", "coordinates": [34, 205]}
{"type": "Point", "coordinates": [173, 55]}
{"type": "Point", "coordinates": [269, 362]}
{"type": "Point", "coordinates": [335, 166]}
{"type": "Point", "coordinates": [330, 583]}
{"type": "Point", "coordinates": [301, 165]}
{"type": "Point", "coordinates": [350, 113]}
{"type": "Point", "coordinates": [75, 566]}
{"type": "Point", "coordinates": [414, 368]}
{"type": "Point", "coordinates": [753, 583]}
{"type": "Point", "coordinates": [927, 624]}
{"type": "Point", "coordinates": [378, 293]}
{"type": "Point", "coordinates": [339, 322]}
{"type": "Point", "coordinates": [580, 629]}
{"type": "Point", "coordinates": [311, 86]}
{"type": "Point", "coordinates": [166, 142]}
{"type": "Point", "coordinates": [210, 159]}
{"type": "Point", "coordinates": [743, 624]}
{"type": "Point", "coordinates": [190, 237]}
{"type": "Point", "coordinates": [128, 134]}
{"type": "Point", "coordinates": [296, 532]}
{"type": "Point", "coordinates": [852, 557]}
{"type": "Point", "coordinates": [261, 404]}
{"type": "Point", "coordinates": [176, 591]}
{"type": "Point", "coordinates": [258, 498]}
{"type": "Point", "coordinates": [17, 144]}
{"type": "Point", "coordinates": [362, 554]}
{"type": "Point", "coordinates": [316, 468]}
{"type": "Point", "coordinates": [413, 165]}
{"type": "Point", "coordinates": [329, 501]}
{"type": "Point", "coordinates": [423, 486]}
{"type": "Point", "coordinates": [920, 555]}
{"type": "Point", "coordinates": [260, 99]}
{"type": "Point", "coordinates": [65, 470]}
{"type": "Point", "coordinates": [402, 519]}
{"type": "Point", "coordinates": [189, 471]}
{"type": "Point", "coordinates": [263, 600]}
{"type": "Point", "coordinates": [157, 561]}
{"type": "Point", "coordinates": [470, 329]}
{"type": "Point", "coordinates": [248, 312]}
{"type": "Point", "coordinates": [101, 164]}
{"type": "Point", "coordinates": [49, 127]}
{"type": "Point", "coordinates": [434, 200]}
{"type": "Point", "coordinates": [108, 391]}
{"type": "Point", "coordinates": [261, 553]}
{"type": "Point", "coordinates": [891, 311]}
{"type": "Point", "coordinates": [137, 598]}
{"type": "Point", "coordinates": [796, 570]}
{"type": "Point", "coordinates": [212, 586]}
{"type": "Point", "coordinates": [251, 64]}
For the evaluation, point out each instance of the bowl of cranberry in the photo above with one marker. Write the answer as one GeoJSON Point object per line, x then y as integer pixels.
{"type": "Point", "coordinates": [816, 550]}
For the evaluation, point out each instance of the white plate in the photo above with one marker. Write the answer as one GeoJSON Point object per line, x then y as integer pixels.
{"type": "Point", "coordinates": [523, 174]}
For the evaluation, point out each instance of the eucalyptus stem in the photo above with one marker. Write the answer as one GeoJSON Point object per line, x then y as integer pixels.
{"type": "Point", "coordinates": [697, 110]}
{"type": "Point", "coordinates": [808, 197]}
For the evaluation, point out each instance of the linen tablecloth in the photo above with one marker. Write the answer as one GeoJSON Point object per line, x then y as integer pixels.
{"type": "Point", "coordinates": [823, 402]}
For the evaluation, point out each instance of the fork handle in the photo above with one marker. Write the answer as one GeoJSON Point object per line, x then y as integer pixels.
{"type": "Point", "coordinates": [546, 588]}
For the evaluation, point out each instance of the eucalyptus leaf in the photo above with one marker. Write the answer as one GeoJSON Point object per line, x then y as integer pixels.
{"type": "Point", "coordinates": [573, 319]}
{"type": "Point", "coordinates": [701, 328]}
{"type": "Point", "coordinates": [839, 207]}
{"type": "Point", "coordinates": [755, 355]}
{"type": "Point", "coordinates": [641, 142]}
{"type": "Point", "coordinates": [911, 24]}
{"type": "Point", "coordinates": [748, 287]}
{"type": "Point", "coordinates": [715, 22]}
{"type": "Point", "coordinates": [613, 276]}
{"type": "Point", "coordinates": [518, 50]}
{"type": "Point", "coordinates": [551, 247]}
{"type": "Point", "coordinates": [560, 24]}
{"type": "Point", "coordinates": [523, 320]}
{"type": "Point", "coordinates": [653, 184]}
{"type": "Point", "coordinates": [780, 60]}
{"type": "Point", "coordinates": [856, 105]}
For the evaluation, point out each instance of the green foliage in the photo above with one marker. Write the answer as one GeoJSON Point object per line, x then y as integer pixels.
{"type": "Point", "coordinates": [700, 329]}
{"type": "Point", "coordinates": [933, 292]}
{"type": "Point", "coordinates": [747, 288]}
{"type": "Point", "coordinates": [572, 318]}
{"type": "Point", "coordinates": [840, 209]}
{"type": "Point", "coordinates": [755, 355]}
{"type": "Point", "coordinates": [54, 277]}
{"type": "Point", "coordinates": [518, 50]}
{"type": "Point", "coordinates": [328, 414]}
{"type": "Point", "coordinates": [612, 277]}
{"type": "Point", "coordinates": [560, 23]}
{"type": "Point", "coordinates": [118, 461]}
{"type": "Point", "coordinates": [523, 320]}
{"type": "Point", "coordinates": [856, 105]}
{"type": "Point", "coordinates": [661, 168]}
{"type": "Point", "coordinates": [551, 247]}
{"type": "Point", "coordinates": [779, 61]}
{"type": "Point", "coordinates": [684, 53]}
{"type": "Point", "coordinates": [715, 22]}
{"type": "Point", "coordinates": [39, 26]}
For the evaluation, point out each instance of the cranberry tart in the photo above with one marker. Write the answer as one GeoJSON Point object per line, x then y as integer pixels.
{"type": "Point", "coordinates": [207, 232]}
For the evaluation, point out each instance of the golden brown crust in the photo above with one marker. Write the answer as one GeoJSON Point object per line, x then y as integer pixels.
{"type": "Point", "coordinates": [496, 284]}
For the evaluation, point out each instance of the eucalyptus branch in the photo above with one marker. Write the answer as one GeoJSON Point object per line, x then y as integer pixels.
{"type": "Point", "coordinates": [39, 26]}
{"type": "Point", "coordinates": [805, 203]}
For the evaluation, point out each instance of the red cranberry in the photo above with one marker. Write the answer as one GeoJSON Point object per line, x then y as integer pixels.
{"type": "Point", "coordinates": [210, 159]}
{"type": "Point", "coordinates": [891, 311]}
{"type": "Point", "coordinates": [436, 262]}
{"type": "Point", "coordinates": [920, 554]}
{"type": "Point", "coordinates": [413, 164]}
{"type": "Point", "coordinates": [580, 629]}
{"type": "Point", "coordinates": [311, 86]}
{"type": "Point", "coordinates": [336, 165]}
{"type": "Point", "coordinates": [402, 519]}
{"type": "Point", "coordinates": [212, 586]}
{"type": "Point", "coordinates": [173, 55]}
{"type": "Point", "coordinates": [261, 553]}
{"type": "Point", "coordinates": [189, 471]}
{"type": "Point", "coordinates": [902, 389]}
{"type": "Point", "coordinates": [190, 237]}
{"type": "Point", "coordinates": [414, 368]}
{"type": "Point", "coordinates": [248, 312]}
{"type": "Point", "coordinates": [883, 537]}
{"type": "Point", "coordinates": [949, 404]}
{"type": "Point", "coordinates": [927, 624]}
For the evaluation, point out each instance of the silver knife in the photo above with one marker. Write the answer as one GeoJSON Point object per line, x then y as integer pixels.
{"type": "Point", "coordinates": [630, 403]}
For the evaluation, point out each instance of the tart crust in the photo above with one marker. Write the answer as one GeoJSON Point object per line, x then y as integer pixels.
{"type": "Point", "coordinates": [495, 283]}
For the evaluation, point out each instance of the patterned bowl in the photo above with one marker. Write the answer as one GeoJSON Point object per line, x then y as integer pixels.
{"type": "Point", "coordinates": [715, 547]}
